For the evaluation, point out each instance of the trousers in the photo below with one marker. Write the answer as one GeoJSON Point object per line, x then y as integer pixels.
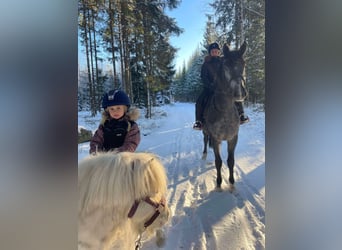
{"type": "Point", "coordinates": [202, 101]}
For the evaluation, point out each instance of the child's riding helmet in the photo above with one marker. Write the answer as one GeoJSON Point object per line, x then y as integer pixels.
{"type": "Point", "coordinates": [115, 97]}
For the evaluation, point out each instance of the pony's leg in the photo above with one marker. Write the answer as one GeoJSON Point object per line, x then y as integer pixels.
{"type": "Point", "coordinates": [218, 162]}
{"type": "Point", "coordinates": [205, 141]}
{"type": "Point", "coordinates": [231, 160]}
{"type": "Point", "coordinates": [160, 238]}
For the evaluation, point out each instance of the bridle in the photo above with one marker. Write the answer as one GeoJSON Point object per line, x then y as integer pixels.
{"type": "Point", "coordinates": [157, 205]}
{"type": "Point", "coordinates": [234, 76]}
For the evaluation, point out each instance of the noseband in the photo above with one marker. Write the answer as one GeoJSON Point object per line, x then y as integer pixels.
{"type": "Point", "coordinates": [158, 207]}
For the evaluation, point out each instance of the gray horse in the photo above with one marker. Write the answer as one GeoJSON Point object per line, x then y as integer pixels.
{"type": "Point", "coordinates": [221, 119]}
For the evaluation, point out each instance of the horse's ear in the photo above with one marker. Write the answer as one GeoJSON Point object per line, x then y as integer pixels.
{"type": "Point", "coordinates": [225, 49]}
{"type": "Point", "coordinates": [243, 47]}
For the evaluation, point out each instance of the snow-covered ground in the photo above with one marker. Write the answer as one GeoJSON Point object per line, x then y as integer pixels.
{"type": "Point", "coordinates": [201, 217]}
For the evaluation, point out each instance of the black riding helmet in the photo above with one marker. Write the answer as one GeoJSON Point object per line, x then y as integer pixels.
{"type": "Point", "coordinates": [115, 97]}
{"type": "Point", "coordinates": [213, 46]}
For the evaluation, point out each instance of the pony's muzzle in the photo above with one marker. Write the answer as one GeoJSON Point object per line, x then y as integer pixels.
{"type": "Point", "coordinates": [164, 214]}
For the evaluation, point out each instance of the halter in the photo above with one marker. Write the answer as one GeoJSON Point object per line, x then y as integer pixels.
{"type": "Point", "coordinates": [158, 207]}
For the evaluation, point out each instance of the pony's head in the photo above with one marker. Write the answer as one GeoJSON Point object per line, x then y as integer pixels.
{"type": "Point", "coordinates": [232, 72]}
{"type": "Point", "coordinates": [129, 188]}
{"type": "Point", "coordinates": [149, 210]}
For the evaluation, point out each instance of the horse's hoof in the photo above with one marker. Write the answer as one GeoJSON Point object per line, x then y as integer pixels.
{"type": "Point", "coordinates": [218, 189]}
{"type": "Point", "coordinates": [231, 187]}
{"type": "Point", "coordinates": [204, 156]}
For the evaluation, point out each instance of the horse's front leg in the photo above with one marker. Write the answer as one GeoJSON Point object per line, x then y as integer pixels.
{"type": "Point", "coordinates": [218, 162]}
{"type": "Point", "coordinates": [231, 160]}
{"type": "Point", "coordinates": [205, 141]}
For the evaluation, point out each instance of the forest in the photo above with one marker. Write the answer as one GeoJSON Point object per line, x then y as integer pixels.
{"type": "Point", "coordinates": [129, 37]}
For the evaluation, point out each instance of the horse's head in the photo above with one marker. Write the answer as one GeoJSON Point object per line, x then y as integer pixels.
{"type": "Point", "coordinates": [233, 68]}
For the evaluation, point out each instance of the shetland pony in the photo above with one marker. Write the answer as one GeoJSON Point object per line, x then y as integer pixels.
{"type": "Point", "coordinates": [120, 196]}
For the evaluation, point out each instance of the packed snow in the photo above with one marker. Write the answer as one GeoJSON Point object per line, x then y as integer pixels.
{"type": "Point", "coordinates": [202, 218]}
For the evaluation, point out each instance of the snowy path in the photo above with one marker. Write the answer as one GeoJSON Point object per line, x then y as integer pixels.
{"type": "Point", "coordinates": [202, 218]}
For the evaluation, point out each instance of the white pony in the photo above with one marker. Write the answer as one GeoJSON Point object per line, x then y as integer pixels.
{"type": "Point", "coordinates": [120, 197]}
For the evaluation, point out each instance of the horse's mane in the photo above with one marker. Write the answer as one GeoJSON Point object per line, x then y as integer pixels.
{"type": "Point", "coordinates": [114, 181]}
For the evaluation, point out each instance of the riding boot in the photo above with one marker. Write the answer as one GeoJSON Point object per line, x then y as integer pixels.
{"type": "Point", "coordinates": [199, 109]}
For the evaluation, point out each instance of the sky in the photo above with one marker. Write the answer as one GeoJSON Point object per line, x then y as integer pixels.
{"type": "Point", "coordinates": [201, 217]}
{"type": "Point", "coordinates": [190, 16]}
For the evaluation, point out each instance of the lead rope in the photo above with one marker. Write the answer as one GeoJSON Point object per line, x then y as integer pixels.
{"type": "Point", "coordinates": [138, 243]}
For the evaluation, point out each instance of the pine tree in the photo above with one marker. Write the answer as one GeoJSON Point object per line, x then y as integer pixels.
{"type": "Point", "coordinates": [243, 20]}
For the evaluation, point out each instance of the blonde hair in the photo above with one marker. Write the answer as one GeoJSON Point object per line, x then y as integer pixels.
{"type": "Point", "coordinates": [131, 114]}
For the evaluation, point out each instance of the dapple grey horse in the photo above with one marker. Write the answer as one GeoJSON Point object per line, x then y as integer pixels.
{"type": "Point", "coordinates": [221, 118]}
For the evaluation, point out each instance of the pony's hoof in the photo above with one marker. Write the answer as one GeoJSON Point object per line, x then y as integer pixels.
{"type": "Point", "coordinates": [160, 238]}
{"type": "Point", "coordinates": [204, 156]}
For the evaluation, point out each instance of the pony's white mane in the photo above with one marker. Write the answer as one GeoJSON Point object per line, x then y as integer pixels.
{"type": "Point", "coordinates": [112, 182]}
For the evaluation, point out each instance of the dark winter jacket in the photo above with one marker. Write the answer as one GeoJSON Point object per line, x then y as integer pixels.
{"type": "Point", "coordinates": [117, 135]}
{"type": "Point", "coordinates": [210, 64]}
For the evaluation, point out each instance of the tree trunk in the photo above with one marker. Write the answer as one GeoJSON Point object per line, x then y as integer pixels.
{"type": "Point", "coordinates": [86, 41]}
{"type": "Point", "coordinates": [148, 106]}
{"type": "Point", "coordinates": [112, 40]}
{"type": "Point", "coordinates": [92, 97]}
